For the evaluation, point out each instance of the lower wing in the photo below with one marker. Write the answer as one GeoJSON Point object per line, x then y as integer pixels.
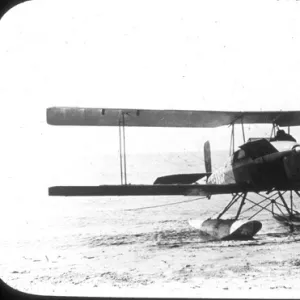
{"type": "Point", "coordinates": [147, 190]}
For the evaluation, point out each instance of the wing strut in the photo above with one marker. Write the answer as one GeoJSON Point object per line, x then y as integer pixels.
{"type": "Point", "coordinates": [122, 147]}
{"type": "Point", "coordinates": [231, 148]}
{"type": "Point", "coordinates": [241, 120]}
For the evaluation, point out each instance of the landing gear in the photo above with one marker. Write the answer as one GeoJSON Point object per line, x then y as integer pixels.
{"type": "Point", "coordinates": [232, 228]}
{"type": "Point", "coordinates": [245, 228]}
{"type": "Point", "coordinates": [275, 199]}
{"type": "Point", "coordinates": [292, 217]}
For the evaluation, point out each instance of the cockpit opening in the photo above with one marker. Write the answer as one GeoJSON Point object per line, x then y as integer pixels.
{"type": "Point", "coordinates": [281, 135]}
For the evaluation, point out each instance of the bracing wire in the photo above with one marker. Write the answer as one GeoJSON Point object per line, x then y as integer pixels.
{"type": "Point", "coordinates": [167, 204]}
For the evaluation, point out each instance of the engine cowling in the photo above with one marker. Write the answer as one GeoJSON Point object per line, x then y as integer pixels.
{"type": "Point", "coordinates": [292, 164]}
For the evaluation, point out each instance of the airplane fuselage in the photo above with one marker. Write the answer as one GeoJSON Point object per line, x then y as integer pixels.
{"type": "Point", "coordinates": [277, 169]}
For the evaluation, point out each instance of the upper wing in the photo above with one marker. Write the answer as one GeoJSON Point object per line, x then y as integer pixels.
{"type": "Point", "coordinates": [147, 190]}
{"type": "Point", "coordinates": [165, 118]}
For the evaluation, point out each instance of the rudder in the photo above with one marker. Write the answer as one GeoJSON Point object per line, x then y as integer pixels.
{"type": "Point", "coordinates": [207, 157]}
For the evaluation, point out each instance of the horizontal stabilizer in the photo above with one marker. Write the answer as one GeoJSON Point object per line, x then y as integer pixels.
{"type": "Point", "coordinates": [180, 178]}
{"type": "Point", "coordinates": [146, 190]}
{"type": "Point", "coordinates": [258, 148]}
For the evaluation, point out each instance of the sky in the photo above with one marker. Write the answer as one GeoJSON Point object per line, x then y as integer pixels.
{"type": "Point", "coordinates": [204, 55]}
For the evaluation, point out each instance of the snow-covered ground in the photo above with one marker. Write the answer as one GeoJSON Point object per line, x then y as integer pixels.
{"type": "Point", "coordinates": [110, 247]}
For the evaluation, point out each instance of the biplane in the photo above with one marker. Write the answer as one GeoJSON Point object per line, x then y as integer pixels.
{"type": "Point", "coordinates": [268, 167]}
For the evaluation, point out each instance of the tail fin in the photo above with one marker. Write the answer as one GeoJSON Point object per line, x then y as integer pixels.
{"type": "Point", "coordinates": [207, 157]}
